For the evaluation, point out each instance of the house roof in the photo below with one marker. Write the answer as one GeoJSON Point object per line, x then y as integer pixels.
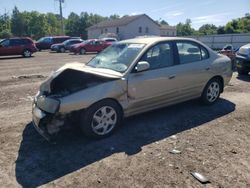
{"type": "Point", "coordinates": [119, 22]}
{"type": "Point", "coordinates": [167, 27]}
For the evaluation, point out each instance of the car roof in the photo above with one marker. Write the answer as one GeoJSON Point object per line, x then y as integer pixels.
{"type": "Point", "coordinates": [19, 38]}
{"type": "Point", "coordinates": [246, 46]}
{"type": "Point", "coordinates": [151, 40]}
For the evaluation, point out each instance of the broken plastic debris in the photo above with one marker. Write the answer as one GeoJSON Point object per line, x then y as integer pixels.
{"type": "Point", "coordinates": [175, 151]}
{"type": "Point", "coordinates": [173, 137]}
{"type": "Point", "coordinates": [28, 76]}
{"type": "Point", "coordinates": [200, 177]}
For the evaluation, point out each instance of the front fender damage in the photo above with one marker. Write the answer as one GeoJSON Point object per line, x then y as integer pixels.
{"type": "Point", "coordinates": [75, 90]}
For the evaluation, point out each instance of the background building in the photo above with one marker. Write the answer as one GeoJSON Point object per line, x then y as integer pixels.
{"type": "Point", "coordinates": [131, 26]}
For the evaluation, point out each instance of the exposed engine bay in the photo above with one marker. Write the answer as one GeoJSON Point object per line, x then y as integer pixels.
{"type": "Point", "coordinates": [70, 81]}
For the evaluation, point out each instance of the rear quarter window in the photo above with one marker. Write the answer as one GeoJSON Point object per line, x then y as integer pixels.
{"type": "Point", "coordinates": [26, 41]}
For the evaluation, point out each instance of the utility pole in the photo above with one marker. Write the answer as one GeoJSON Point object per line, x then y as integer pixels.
{"type": "Point", "coordinates": [61, 16]}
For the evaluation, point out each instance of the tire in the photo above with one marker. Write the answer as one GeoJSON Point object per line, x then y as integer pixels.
{"type": "Point", "coordinates": [242, 71]}
{"type": "Point", "coordinates": [101, 119]}
{"type": "Point", "coordinates": [82, 51]}
{"type": "Point", "coordinates": [212, 91]}
{"type": "Point", "coordinates": [27, 53]}
{"type": "Point", "coordinates": [62, 50]}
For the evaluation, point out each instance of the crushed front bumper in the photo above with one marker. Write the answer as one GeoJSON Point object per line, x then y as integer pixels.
{"type": "Point", "coordinates": [37, 117]}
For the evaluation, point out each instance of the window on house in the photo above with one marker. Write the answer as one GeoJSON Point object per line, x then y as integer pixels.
{"type": "Point", "coordinates": [140, 29]}
{"type": "Point", "coordinates": [173, 33]}
{"type": "Point", "coordinates": [102, 31]}
{"type": "Point", "coordinates": [146, 30]}
{"type": "Point", "coordinates": [117, 30]}
{"type": "Point", "coordinates": [106, 30]}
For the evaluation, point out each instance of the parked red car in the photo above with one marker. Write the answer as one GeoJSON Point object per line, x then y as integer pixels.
{"type": "Point", "coordinates": [46, 42]}
{"type": "Point", "coordinates": [92, 45]}
{"type": "Point", "coordinates": [17, 46]}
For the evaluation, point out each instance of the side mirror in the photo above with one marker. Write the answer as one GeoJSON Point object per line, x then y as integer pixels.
{"type": "Point", "coordinates": [142, 66]}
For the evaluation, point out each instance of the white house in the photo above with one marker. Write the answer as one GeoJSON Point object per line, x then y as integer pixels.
{"type": "Point", "coordinates": [131, 26]}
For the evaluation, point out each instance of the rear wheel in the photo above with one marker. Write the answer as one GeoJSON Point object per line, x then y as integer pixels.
{"type": "Point", "coordinates": [27, 53]}
{"type": "Point", "coordinates": [212, 91]}
{"type": "Point", "coordinates": [101, 119]}
{"type": "Point", "coordinates": [82, 51]}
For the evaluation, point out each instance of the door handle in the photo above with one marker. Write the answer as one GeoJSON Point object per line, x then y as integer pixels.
{"type": "Point", "coordinates": [207, 69]}
{"type": "Point", "coordinates": [171, 77]}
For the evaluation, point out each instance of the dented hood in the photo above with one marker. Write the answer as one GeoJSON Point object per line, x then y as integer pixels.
{"type": "Point", "coordinates": [82, 67]}
{"type": "Point", "coordinates": [79, 68]}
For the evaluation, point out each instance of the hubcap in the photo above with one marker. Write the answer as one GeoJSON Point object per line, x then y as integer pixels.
{"type": "Point", "coordinates": [104, 120]}
{"type": "Point", "coordinates": [213, 91]}
{"type": "Point", "coordinates": [27, 53]}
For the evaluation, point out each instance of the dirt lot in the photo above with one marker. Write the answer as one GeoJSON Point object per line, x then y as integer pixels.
{"type": "Point", "coordinates": [214, 140]}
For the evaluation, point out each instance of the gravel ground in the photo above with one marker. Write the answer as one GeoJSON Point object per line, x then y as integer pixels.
{"type": "Point", "coordinates": [213, 140]}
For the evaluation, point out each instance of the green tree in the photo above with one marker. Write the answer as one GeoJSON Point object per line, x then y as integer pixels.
{"type": "Point", "coordinates": [185, 29]}
{"type": "Point", "coordinates": [5, 34]}
{"type": "Point", "coordinates": [18, 26]}
{"type": "Point", "coordinates": [221, 30]}
{"type": "Point", "coordinates": [207, 29]}
{"type": "Point", "coordinates": [163, 22]}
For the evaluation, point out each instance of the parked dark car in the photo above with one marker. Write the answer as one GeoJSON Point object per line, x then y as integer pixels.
{"type": "Point", "coordinates": [46, 42]}
{"type": "Point", "coordinates": [62, 47]}
{"type": "Point", "coordinates": [243, 60]}
{"type": "Point", "coordinates": [92, 45]}
{"type": "Point", "coordinates": [17, 46]}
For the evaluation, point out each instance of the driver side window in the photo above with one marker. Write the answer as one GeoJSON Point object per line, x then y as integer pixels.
{"type": "Point", "coordinates": [159, 56]}
{"type": "Point", "coordinates": [5, 43]}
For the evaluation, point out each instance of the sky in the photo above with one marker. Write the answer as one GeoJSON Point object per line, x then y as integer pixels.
{"type": "Point", "coordinates": [217, 12]}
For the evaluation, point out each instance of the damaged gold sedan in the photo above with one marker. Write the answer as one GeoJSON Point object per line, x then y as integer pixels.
{"type": "Point", "coordinates": [127, 78]}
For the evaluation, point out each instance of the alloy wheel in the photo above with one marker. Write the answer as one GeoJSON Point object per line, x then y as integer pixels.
{"type": "Point", "coordinates": [104, 120]}
{"type": "Point", "coordinates": [213, 91]}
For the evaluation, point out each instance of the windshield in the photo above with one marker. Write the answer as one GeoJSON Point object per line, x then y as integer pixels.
{"type": "Point", "coordinates": [66, 42]}
{"type": "Point", "coordinates": [44, 40]}
{"type": "Point", "coordinates": [117, 57]}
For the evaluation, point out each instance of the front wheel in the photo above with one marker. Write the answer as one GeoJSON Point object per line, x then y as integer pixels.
{"type": "Point", "coordinates": [101, 119]}
{"type": "Point", "coordinates": [82, 51]}
{"type": "Point", "coordinates": [62, 50]}
{"type": "Point", "coordinates": [212, 91]}
{"type": "Point", "coordinates": [27, 53]}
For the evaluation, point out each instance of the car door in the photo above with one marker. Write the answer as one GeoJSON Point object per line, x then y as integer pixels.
{"type": "Point", "coordinates": [157, 86]}
{"type": "Point", "coordinates": [99, 46]}
{"type": "Point", "coordinates": [193, 70]}
{"type": "Point", "coordinates": [5, 48]}
{"type": "Point", "coordinates": [17, 46]}
{"type": "Point", "coordinates": [90, 46]}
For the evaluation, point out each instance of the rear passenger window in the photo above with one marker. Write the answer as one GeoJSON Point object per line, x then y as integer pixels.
{"type": "Point", "coordinates": [188, 52]}
{"type": "Point", "coordinates": [159, 56]}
